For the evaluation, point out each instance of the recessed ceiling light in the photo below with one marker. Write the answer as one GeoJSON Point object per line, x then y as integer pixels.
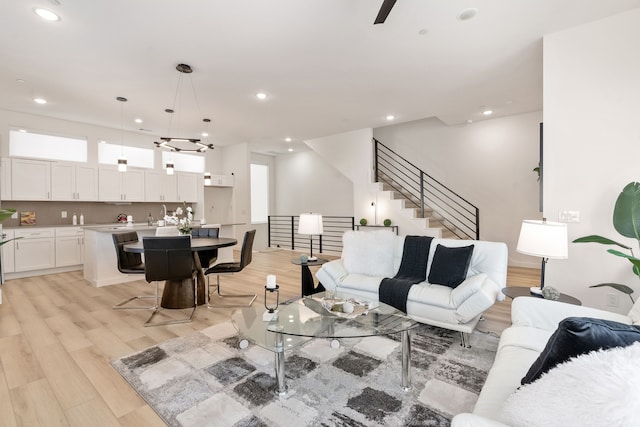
{"type": "Point", "coordinates": [137, 120]}
{"type": "Point", "coordinates": [22, 130]}
{"type": "Point", "coordinates": [20, 80]}
{"type": "Point", "coordinates": [469, 121]}
{"type": "Point", "coordinates": [288, 139]}
{"type": "Point", "coordinates": [46, 14]}
{"type": "Point", "coordinates": [261, 95]}
{"type": "Point", "coordinates": [39, 100]}
{"type": "Point", "coordinates": [467, 14]}
{"type": "Point", "coordinates": [204, 134]}
{"type": "Point", "coordinates": [102, 141]}
{"type": "Point", "coordinates": [391, 117]}
{"type": "Point", "coordinates": [290, 150]}
{"type": "Point", "coordinates": [487, 112]}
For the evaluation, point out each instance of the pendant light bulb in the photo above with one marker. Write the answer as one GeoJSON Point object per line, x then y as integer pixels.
{"type": "Point", "coordinates": [207, 178]}
{"type": "Point", "coordinates": [169, 168]}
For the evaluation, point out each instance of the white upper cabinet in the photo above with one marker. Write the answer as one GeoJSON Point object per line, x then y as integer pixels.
{"type": "Point", "coordinates": [187, 187]}
{"type": "Point", "coordinates": [114, 186]}
{"type": "Point", "coordinates": [30, 180]}
{"type": "Point", "coordinates": [221, 181]}
{"type": "Point", "coordinates": [160, 187]}
{"type": "Point", "coordinates": [5, 179]}
{"type": "Point", "coordinates": [74, 182]}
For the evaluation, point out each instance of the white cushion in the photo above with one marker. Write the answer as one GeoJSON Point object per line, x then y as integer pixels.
{"type": "Point", "coordinates": [601, 388]}
{"type": "Point", "coordinates": [369, 252]}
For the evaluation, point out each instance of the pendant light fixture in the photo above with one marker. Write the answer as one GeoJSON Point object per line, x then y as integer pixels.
{"type": "Point", "coordinates": [170, 142]}
{"type": "Point", "coordinates": [207, 178]}
{"type": "Point", "coordinates": [169, 167]}
{"type": "Point", "coordinates": [122, 161]}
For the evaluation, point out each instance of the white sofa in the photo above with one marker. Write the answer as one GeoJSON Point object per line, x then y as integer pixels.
{"type": "Point", "coordinates": [368, 257]}
{"type": "Point", "coordinates": [534, 320]}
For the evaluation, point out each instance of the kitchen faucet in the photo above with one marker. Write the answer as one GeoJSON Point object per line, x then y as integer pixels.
{"type": "Point", "coordinates": [164, 211]}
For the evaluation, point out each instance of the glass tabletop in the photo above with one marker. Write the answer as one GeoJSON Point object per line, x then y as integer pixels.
{"type": "Point", "coordinates": [249, 324]}
{"type": "Point", "coordinates": [322, 315]}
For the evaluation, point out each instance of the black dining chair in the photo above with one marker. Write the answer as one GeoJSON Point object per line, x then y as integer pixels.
{"type": "Point", "coordinates": [130, 263]}
{"type": "Point", "coordinates": [169, 258]}
{"type": "Point", "coordinates": [208, 257]}
{"type": "Point", "coordinates": [230, 268]}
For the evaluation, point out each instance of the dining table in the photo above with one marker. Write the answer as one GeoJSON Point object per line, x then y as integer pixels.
{"type": "Point", "coordinates": [179, 293]}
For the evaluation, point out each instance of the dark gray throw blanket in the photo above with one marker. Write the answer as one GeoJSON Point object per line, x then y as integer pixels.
{"type": "Point", "coordinates": [413, 269]}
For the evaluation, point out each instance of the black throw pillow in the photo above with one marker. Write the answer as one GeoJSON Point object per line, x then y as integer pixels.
{"type": "Point", "coordinates": [580, 335]}
{"type": "Point", "coordinates": [450, 265]}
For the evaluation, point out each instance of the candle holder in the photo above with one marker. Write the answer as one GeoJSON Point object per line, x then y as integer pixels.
{"type": "Point", "coordinates": [272, 310]}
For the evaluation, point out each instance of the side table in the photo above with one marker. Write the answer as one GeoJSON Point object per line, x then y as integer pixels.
{"type": "Point", "coordinates": [519, 291]}
{"type": "Point", "coordinates": [308, 286]}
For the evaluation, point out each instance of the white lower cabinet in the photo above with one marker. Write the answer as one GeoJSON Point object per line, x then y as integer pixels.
{"type": "Point", "coordinates": [8, 252]}
{"type": "Point", "coordinates": [35, 250]}
{"type": "Point", "coordinates": [69, 246]}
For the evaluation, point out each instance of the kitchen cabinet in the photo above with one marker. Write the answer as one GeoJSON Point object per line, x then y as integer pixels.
{"type": "Point", "coordinates": [221, 181]}
{"type": "Point", "coordinates": [187, 187]}
{"type": "Point", "coordinates": [74, 182]}
{"type": "Point", "coordinates": [5, 178]}
{"type": "Point", "coordinates": [8, 249]}
{"type": "Point", "coordinates": [160, 187]}
{"type": "Point", "coordinates": [114, 186]}
{"type": "Point", "coordinates": [30, 180]}
{"type": "Point", "coordinates": [69, 246]}
{"type": "Point", "coordinates": [35, 250]}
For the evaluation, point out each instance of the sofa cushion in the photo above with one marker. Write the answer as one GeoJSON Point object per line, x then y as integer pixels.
{"type": "Point", "coordinates": [450, 265]}
{"type": "Point", "coordinates": [579, 335]}
{"type": "Point", "coordinates": [601, 388]}
{"type": "Point", "coordinates": [369, 252]}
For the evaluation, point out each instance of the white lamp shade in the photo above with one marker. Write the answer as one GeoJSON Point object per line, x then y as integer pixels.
{"type": "Point", "coordinates": [310, 223]}
{"type": "Point", "coordinates": [543, 239]}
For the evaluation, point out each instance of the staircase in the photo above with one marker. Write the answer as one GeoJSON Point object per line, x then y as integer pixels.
{"type": "Point", "coordinates": [422, 200]}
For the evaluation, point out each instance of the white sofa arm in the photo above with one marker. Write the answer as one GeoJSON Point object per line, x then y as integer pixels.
{"type": "Point", "coordinates": [464, 290]}
{"type": "Point", "coordinates": [545, 314]}
{"type": "Point", "coordinates": [332, 273]}
{"type": "Point", "coordinates": [472, 420]}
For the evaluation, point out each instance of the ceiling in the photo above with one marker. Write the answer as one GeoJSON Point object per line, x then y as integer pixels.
{"type": "Point", "coordinates": [324, 66]}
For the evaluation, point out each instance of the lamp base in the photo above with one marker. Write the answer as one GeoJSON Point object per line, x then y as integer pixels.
{"type": "Point", "coordinates": [268, 315]}
{"type": "Point", "coordinates": [536, 290]}
{"type": "Point", "coordinates": [312, 258]}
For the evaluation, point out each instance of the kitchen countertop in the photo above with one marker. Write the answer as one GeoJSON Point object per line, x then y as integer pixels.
{"type": "Point", "coordinates": [106, 228]}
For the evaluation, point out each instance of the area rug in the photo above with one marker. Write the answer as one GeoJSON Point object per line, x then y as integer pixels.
{"type": "Point", "coordinates": [205, 379]}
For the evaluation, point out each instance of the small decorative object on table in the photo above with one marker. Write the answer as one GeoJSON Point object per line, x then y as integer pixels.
{"type": "Point", "coordinates": [363, 221]}
{"type": "Point", "coordinates": [304, 259]}
{"type": "Point", "coordinates": [387, 222]}
{"type": "Point", "coordinates": [182, 220]}
{"type": "Point", "coordinates": [551, 293]}
{"type": "Point", "coordinates": [271, 287]}
{"type": "Point", "coordinates": [348, 308]}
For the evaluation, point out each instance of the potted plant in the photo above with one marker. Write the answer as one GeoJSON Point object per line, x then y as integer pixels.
{"type": "Point", "coordinates": [626, 221]}
{"type": "Point", "coordinates": [387, 222]}
{"type": "Point", "coordinates": [4, 215]}
{"type": "Point", "coordinates": [363, 221]}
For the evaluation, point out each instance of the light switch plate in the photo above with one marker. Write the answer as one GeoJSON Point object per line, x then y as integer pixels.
{"type": "Point", "coordinates": [64, 214]}
{"type": "Point", "coordinates": [569, 216]}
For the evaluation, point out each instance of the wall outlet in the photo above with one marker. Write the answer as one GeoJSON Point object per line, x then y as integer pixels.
{"type": "Point", "coordinates": [64, 214]}
{"type": "Point", "coordinates": [612, 300]}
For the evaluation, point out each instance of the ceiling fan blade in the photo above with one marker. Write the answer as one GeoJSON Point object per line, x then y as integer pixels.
{"type": "Point", "coordinates": [386, 7]}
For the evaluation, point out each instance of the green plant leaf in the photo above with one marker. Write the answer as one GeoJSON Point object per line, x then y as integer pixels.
{"type": "Point", "coordinates": [626, 213]}
{"type": "Point", "coordinates": [620, 254]}
{"type": "Point", "coordinates": [622, 288]}
{"type": "Point", "coordinates": [599, 239]}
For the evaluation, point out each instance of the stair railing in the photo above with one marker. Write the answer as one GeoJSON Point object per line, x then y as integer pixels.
{"type": "Point", "coordinates": [422, 191]}
{"type": "Point", "coordinates": [283, 233]}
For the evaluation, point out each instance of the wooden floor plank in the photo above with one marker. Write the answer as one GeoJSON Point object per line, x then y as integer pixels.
{"type": "Point", "coordinates": [64, 314]}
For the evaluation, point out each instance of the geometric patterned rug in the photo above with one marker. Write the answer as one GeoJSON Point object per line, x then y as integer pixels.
{"type": "Point", "coordinates": [205, 379]}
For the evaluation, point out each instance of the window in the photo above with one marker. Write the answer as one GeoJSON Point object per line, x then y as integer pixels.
{"type": "Point", "coordinates": [259, 193]}
{"type": "Point", "coordinates": [108, 154]}
{"type": "Point", "coordinates": [183, 162]}
{"type": "Point", "coordinates": [49, 147]}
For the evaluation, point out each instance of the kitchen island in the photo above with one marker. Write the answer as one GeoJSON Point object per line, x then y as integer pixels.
{"type": "Point", "coordinates": [101, 264]}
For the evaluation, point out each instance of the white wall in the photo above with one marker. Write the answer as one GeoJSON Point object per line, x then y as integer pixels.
{"type": "Point", "coordinates": [592, 137]}
{"type": "Point", "coordinates": [489, 163]}
{"type": "Point", "coordinates": [305, 182]}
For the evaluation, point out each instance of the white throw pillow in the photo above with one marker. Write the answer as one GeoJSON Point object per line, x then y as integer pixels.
{"type": "Point", "coordinates": [601, 388]}
{"type": "Point", "coordinates": [368, 252]}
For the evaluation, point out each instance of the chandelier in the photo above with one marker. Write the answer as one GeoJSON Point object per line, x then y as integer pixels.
{"type": "Point", "coordinates": [169, 143]}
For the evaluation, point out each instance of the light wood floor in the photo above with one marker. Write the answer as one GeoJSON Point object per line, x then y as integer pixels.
{"type": "Point", "coordinates": [58, 335]}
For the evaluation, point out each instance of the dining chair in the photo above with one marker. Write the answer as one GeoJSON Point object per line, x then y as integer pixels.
{"type": "Point", "coordinates": [169, 258]}
{"type": "Point", "coordinates": [130, 263]}
{"type": "Point", "coordinates": [230, 268]}
{"type": "Point", "coordinates": [170, 230]}
{"type": "Point", "coordinates": [208, 257]}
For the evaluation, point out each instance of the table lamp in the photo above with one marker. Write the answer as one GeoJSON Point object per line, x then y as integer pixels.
{"type": "Point", "coordinates": [310, 224]}
{"type": "Point", "coordinates": [543, 239]}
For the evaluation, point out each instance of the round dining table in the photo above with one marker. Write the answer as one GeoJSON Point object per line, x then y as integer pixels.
{"type": "Point", "coordinates": [179, 293]}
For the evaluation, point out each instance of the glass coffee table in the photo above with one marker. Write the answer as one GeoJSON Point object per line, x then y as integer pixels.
{"type": "Point", "coordinates": [320, 316]}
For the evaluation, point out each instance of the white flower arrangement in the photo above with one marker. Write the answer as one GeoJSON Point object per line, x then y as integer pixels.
{"type": "Point", "coordinates": [180, 220]}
